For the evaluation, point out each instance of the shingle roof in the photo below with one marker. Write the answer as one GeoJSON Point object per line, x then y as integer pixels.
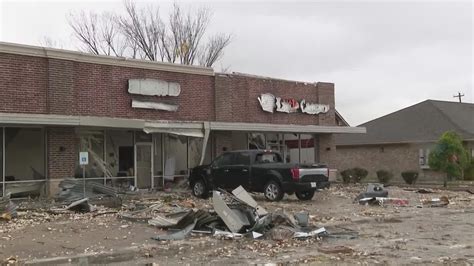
{"type": "Point", "coordinates": [425, 121]}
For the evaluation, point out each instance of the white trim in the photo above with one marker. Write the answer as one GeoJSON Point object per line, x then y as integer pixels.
{"type": "Point", "coordinates": [258, 127]}
{"type": "Point", "coordinates": [174, 124]}
{"type": "Point", "coordinates": [65, 120]}
{"type": "Point", "coordinates": [29, 50]}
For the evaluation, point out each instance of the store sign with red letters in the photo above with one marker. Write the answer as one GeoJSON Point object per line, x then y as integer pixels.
{"type": "Point", "coordinates": [270, 103]}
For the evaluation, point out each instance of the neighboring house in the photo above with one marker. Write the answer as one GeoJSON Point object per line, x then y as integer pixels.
{"type": "Point", "coordinates": [402, 140]}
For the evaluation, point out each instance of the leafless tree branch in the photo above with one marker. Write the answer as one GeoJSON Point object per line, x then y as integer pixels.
{"type": "Point", "coordinates": [214, 49]}
{"type": "Point", "coordinates": [141, 33]}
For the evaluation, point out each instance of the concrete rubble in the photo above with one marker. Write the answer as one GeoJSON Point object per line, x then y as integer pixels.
{"type": "Point", "coordinates": [7, 208]}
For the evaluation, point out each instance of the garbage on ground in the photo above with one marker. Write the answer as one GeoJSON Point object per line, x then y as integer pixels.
{"type": "Point", "coordinates": [81, 205]}
{"type": "Point", "coordinates": [7, 208]}
{"type": "Point", "coordinates": [436, 202]}
{"type": "Point", "coordinates": [373, 190]}
{"type": "Point", "coordinates": [235, 216]}
{"type": "Point", "coordinates": [71, 190]}
{"type": "Point", "coordinates": [178, 235]}
{"type": "Point", "coordinates": [382, 201]}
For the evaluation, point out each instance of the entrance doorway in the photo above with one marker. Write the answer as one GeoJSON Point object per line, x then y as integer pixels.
{"type": "Point", "coordinates": [144, 165]}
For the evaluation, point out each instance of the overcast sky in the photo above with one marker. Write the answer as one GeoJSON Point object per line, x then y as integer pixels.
{"type": "Point", "coordinates": [381, 55]}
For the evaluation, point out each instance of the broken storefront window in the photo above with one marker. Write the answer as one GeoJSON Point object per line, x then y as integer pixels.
{"type": "Point", "coordinates": [24, 157]}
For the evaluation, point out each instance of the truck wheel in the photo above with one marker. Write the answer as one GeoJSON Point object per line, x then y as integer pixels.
{"type": "Point", "coordinates": [273, 191]}
{"type": "Point", "coordinates": [200, 189]}
{"type": "Point", "coordinates": [305, 195]}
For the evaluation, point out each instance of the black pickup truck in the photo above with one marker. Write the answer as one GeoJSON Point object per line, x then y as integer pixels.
{"type": "Point", "coordinates": [258, 171]}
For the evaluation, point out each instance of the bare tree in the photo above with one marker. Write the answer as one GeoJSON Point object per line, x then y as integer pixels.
{"type": "Point", "coordinates": [85, 29]}
{"type": "Point", "coordinates": [143, 29]}
{"type": "Point", "coordinates": [142, 33]}
{"type": "Point", "coordinates": [213, 50]}
{"type": "Point", "coordinates": [99, 34]}
{"type": "Point", "coordinates": [111, 39]}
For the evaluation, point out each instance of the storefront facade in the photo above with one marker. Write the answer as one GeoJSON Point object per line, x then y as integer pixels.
{"type": "Point", "coordinates": [145, 124]}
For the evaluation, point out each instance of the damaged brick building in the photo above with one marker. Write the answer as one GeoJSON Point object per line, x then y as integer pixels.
{"type": "Point", "coordinates": [145, 124]}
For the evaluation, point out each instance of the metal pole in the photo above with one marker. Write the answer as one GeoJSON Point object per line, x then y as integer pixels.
{"type": "Point", "coordinates": [3, 161]}
{"type": "Point", "coordinates": [84, 179]}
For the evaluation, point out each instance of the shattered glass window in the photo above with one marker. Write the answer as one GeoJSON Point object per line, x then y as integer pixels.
{"type": "Point", "coordinates": [194, 151]}
{"type": "Point", "coordinates": [176, 150]}
{"type": "Point", "coordinates": [307, 149]}
{"type": "Point", "coordinates": [24, 160]}
{"type": "Point", "coordinates": [92, 141]}
{"type": "Point", "coordinates": [291, 150]}
{"type": "Point", "coordinates": [256, 141]}
{"type": "Point", "coordinates": [119, 155]}
{"type": "Point", "coordinates": [24, 154]}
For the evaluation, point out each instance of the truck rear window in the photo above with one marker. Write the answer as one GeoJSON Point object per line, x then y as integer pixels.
{"type": "Point", "coordinates": [268, 158]}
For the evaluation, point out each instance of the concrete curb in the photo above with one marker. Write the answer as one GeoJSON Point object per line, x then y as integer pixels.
{"type": "Point", "coordinates": [121, 255]}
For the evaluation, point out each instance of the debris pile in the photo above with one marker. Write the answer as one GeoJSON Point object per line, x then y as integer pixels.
{"type": "Point", "coordinates": [7, 208]}
{"type": "Point", "coordinates": [375, 194]}
{"type": "Point", "coordinates": [233, 216]}
{"type": "Point", "coordinates": [436, 202]}
{"type": "Point", "coordinates": [71, 190]}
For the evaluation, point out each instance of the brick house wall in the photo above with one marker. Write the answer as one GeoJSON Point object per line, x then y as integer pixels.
{"type": "Point", "coordinates": [395, 158]}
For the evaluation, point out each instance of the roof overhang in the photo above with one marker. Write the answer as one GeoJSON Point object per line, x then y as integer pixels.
{"type": "Point", "coordinates": [64, 120]}
{"type": "Point", "coordinates": [37, 51]}
{"type": "Point", "coordinates": [189, 128]}
{"type": "Point", "coordinates": [259, 127]}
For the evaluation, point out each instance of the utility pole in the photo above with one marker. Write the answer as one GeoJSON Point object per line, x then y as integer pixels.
{"type": "Point", "coordinates": [459, 96]}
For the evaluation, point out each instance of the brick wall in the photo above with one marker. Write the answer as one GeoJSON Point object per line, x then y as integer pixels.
{"type": "Point", "coordinates": [327, 150]}
{"type": "Point", "coordinates": [326, 96]}
{"type": "Point", "coordinates": [61, 97]}
{"type": "Point", "coordinates": [53, 86]}
{"type": "Point", "coordinates": [61, 163]}
{"type": "Point", "coordinates": [101, 90]}
{"type": "Point", "coordinates": [222, 139]}
{"type": "Point", "coordinates": [395, 158]}
{"type": "Point", "coordinates": [236, 100]}
{"type": "Point", "coordinates": [23, 84]}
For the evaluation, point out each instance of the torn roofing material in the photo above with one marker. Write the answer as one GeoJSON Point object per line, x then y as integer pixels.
{"type": "Point", "coordinates": [244, 196]}
{"type": "Point", "coordinates": [179, 235]}
{"type": "Point", "coordinates": [230, 218]}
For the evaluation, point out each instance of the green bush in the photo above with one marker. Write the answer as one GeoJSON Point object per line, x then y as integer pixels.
{"type": "Point", "coordinates": [359, 174]}
{"type": "Point", "coordinates": [410, 177]}
{"type": "Point", "coordinates": [354, 175]}
{"type": "Point", "coordinates": [346, 175]}
{"type": "Point", "coordinates": [469, 172]}
{"type": "Point", "coordinates": [384, 176]}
